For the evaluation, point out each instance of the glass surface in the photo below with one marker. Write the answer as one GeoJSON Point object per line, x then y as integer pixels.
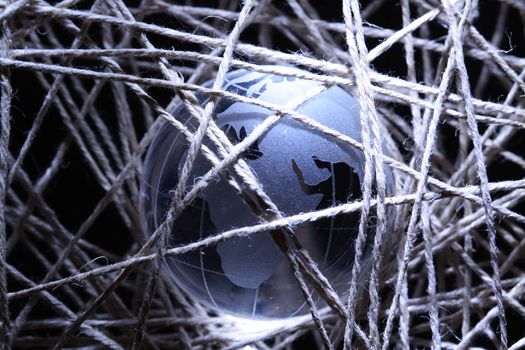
{"type": "Point", "coordinates": [300, 170]}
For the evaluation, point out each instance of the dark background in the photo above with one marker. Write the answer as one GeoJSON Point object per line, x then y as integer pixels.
{"type": "Point", "coordinates": [74, 192]}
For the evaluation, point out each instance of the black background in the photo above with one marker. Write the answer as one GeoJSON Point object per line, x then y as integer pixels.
{"type": "Point", "coordinates": [74, 192]}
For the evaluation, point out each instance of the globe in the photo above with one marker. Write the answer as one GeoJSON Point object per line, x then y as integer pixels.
{"type": "Point", "coordinates": [301, 170]}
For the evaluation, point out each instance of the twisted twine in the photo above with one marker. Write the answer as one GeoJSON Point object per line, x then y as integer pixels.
{"type": "Point", "coordinates": [430, 189]}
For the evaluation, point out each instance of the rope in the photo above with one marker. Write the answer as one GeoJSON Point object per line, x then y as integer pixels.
{"type": "Point", "coordinates": [459, 230]}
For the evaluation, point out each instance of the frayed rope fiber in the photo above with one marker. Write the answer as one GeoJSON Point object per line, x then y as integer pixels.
{"type": "Point", "coordinates": [86, 85]}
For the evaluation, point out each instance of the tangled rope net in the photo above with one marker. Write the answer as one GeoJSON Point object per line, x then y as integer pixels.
{"type": "Point", "coordinates": [86, 84]}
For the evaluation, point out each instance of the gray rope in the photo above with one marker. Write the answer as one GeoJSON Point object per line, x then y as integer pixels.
{"type": "Point", "coordinates": [441, 206]}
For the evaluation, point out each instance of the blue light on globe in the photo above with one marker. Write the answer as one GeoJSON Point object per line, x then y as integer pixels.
{"type": "Point", "coordinates": [301, 170]}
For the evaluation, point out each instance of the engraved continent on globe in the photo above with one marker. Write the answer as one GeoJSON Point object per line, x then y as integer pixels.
{"type": "Point", "coordinates": [300, 169]}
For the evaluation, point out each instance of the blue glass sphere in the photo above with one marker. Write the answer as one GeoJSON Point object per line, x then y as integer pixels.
{"type": "Point", "coordinates": [301, 170]}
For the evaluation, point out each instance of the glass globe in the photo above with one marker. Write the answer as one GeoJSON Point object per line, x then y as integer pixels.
{"type": "Point", "coordinates": [301, 170]}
